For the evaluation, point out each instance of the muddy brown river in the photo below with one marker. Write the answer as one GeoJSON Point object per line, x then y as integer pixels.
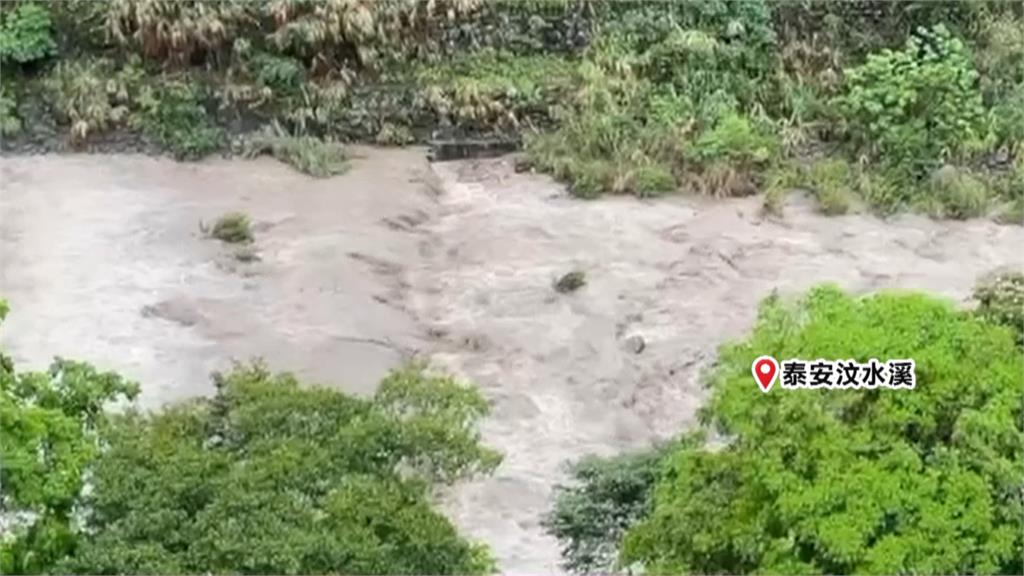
{"type": "Point", "coordinates": [102, 259]}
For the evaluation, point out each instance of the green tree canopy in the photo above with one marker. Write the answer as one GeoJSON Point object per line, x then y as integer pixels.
{"type": "Point", "coordinates": [269, 477]}
{"type": "Point", "coordinates": [929, 480]}
{"type": "Point", "coordinates": [265, 477]}
{"type": "Point", "coordinates": [49, 432]}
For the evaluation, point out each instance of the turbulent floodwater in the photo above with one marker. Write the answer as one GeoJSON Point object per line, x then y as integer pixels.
{"type": "Point", "coordinates": [102, 259]}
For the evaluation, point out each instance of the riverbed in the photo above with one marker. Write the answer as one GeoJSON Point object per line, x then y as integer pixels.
{"type": "Point", "coordinates": [105, 259]}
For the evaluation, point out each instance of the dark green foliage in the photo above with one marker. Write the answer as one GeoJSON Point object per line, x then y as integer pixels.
{"type": "Point", "coordinates": [489, 92]}
{"type": "Point", "coordinates": [49, 431]}
{"type": "Point", "coordinates": [885, 481]}
{"type": "Point", "coordinates": [83, 98]}
{"type": "Point", "coordinates": [571, 282]}
{"type": "Point", "coordinates": [268, 477]}
{"type": "Point", "coordinates": [916, 107]}
{"type": "Point", "coordinates": [1011, 213]}
{"type": "Point", "coordinates": [313, 156]}
{"type": "Point", "coordinates": [283, 75]}
{"type": "Point", "coordinates": [652, 180]}
{"type": "Point", "coordinates": [9, 121]}
{"type": "Point", "coordinates": [606, 497]}
{"type": "Point", "coordinates": [173, 114]}
{"type": "Point", "coordinates": [832, 182]}
{"type": "Point", "coordinates": [956, 194]}
{"type": "Point", "coordinates": [26, 33]}
{"type": "Point", "coordinates": [233, 228]}
{"type": "Point", "coordinates": [621, 97]}
{"type": "Point", "coordinates": [1001, 301]}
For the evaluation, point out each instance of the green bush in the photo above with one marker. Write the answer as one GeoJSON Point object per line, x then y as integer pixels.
{"type": "Point", "coordinates": [1007, 117]}
{"type": "Point", "coordinates": [10, 124]}
{"type": "Point", "coordinates": [737, 140]}
{"type": "Point", "coordinates": [726, 159]}
{"type": "Point", "coordinates": [270, 477]}
{"type": "Point", "coordinates": [653, 179]}
{"type": "Point", "coordinates": [85, 96]}
{"type": "Point", "coordinates": [233, 228]}
{"type": "Point", "coordinates": [50, 430]}
{"type": "Point", "coordinates": [1001, 301]}
{"type": "Point", "coordinates": [1012, 213]}
{"type": "Point", "coordinates": [954, 193]}
{"type": "Point", "coordinates": [487, 92]}
{"type": "Point", "coordinates": [174, 115]}
{"type": "Point", "coordinates": [26, 33]}
{"type": "Point", "coordinates": [1000, 55]}
{"type": "Point", "coordinates": [394, 135]}
{"type": "Point", "coordinates": [313, 156]}
{"type": "Point", "coordinates": [606, 497]}
{"type": "Point", "coordinates": [744, 25]}
{"type": "Point", "coordinates": [888, 190]}
{"type": "Point", "coordinates": [831, 180]}
{"type": "Point", "coordinates": [858, 481]}
{"type": "Point", "coordinates": [267, 476]}
{"type": "Point", "coordinates": [597, 138]}
{"type": "Point", "coordinates": [916, 107]}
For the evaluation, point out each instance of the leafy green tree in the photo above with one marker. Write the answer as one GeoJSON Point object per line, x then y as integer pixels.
{"type": "Point", "coordinates": [268, 477]}
{"type": "Point", "coordinates": [49, 432]}
{"type": "Point", "coordinates": [606, 497]}
{"type": "Point", "coordinates": [918, 106]}
{"type": "Point", "coordinates": [929, 480]}
{"type": "Point", "coordinates": [26, 33]}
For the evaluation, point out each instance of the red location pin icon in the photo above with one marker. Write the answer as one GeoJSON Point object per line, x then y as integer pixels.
{"type": "Point", "coordinates": [765, 368]}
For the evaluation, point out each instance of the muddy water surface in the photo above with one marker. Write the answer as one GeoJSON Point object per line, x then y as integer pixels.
{"type": "Point", "coordinates": [102, 258]}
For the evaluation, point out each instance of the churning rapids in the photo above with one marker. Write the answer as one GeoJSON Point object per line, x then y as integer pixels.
{"type": "Point", "coordinates": [102, 259]}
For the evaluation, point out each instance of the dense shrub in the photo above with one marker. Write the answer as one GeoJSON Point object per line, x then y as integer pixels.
{"type": "Point", "coordinates": [487, 92]}
{"type": "Point", "coordinates": [605, 498]}
{"type": "Point", "coordinates": [50, 424]}
{"type": "Point", "coordinates": [265, 477]}
{"type": "Point", "coordinates": [26, 33]}
{"type": "Point", "coordinates": [831, 181]}
{"type": "Point", "coordinates": [270, 477]}
{"type": "Point", "coordinates": [173, 113]}
{"type": "Point", "coordinates": [87, 96]}
{"type": "Point", "coordinates": [1001, 300]}
{"type": "Point", "coordinates": [174, 31]}
{"type": "Point", "coordinates": [233, 228]}
{"type": "Point", "coordinates": [918, 106]}
{"type": "Point", "coordinates": [306, 154]}
{"type": "Point", "coordinates": [9, 122]}
{"type": "Point", "coordinates": [820, 481]}
{"type": "Point", "coordinates": [627, 97]}
{"type": "Point", "coordinates": [955, 194]}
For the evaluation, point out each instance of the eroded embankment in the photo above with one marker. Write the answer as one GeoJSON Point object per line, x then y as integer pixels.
{"type": "Point", "coordinates": [101, 259]}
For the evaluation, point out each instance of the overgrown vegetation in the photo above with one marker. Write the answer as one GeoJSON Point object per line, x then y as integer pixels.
{"type": "Point", "coordinates": [313, 156]}
{"type": "Point", "coordinates": [265, 477]}
{"type": "Point", "coordinates": [50, 430]}
{"type": "Point", "coordinates": [26, 34]}
{"type": "Point", "coordinates": [607, 497]}
{"type": "Point", "coordinates": [834, 482]}
{"type": "Point", "coordinates": [917, 107]}
{"type": "Point", "coordinates": [10, 124]}
{"type": "Point", "coordinates": [1001, 301]}
{"type": "Point", "coordinates": [174, 115]}
{"type": "Point", "coordinates": [233, 228]}
{"type": "Point", "coordinates": [627, 97]}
